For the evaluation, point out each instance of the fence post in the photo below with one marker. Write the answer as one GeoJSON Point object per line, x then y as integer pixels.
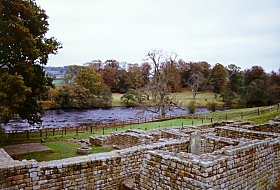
{"type": "Point", "coordinates": [226, 117]}
{"type": "Point", "coordinates": [103, 130]}
{"type": "Point", "coordinates": [241, 115]}
{"type": "Point", "coordinates": [65, 130]}
{"type": "Point", "coordinates": [91, 129]}
{"type": "Point", "coordinates": [211, 120]}
{"type": "Point", "coordinates": [46, 133]}
{"type": "Point", "coordinates": [77, 130]}
{"type": "Point", "coordinates": [53, 132]}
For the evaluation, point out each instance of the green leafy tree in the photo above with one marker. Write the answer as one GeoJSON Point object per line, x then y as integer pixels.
{"type": "Point", "coordinates": [236, 79]}
{"type": "Point", "coordinates": [24, 50]}
{"type": "Point", "coordinates": [234, 86]}
{"type": "Point", "coordinates": [85, 89]}
{"type": "Point", "coordinates": [73, 96]}
{"type": "Point", "coordinates": [256, 83]}
{"type": "Point", "coordinates": [132, 97]}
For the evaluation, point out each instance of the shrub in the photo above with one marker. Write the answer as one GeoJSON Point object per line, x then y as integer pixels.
{"type": "Point", "coordinates": [212, 106]}
{"type": "Point", "coordinates": [132, 97]}
{"type": "Point", "coordinates": [191, 107]}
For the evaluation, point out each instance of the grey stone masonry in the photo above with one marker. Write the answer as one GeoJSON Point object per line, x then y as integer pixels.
{"type": "Point", "coordinates": [224, 155]}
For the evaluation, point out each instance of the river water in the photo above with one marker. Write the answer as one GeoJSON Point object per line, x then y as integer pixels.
{"type": "Point", "coordinates": [57, 119]}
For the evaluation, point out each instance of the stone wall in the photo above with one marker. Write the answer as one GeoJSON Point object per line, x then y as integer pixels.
{"type": "Point", "coordinates": [232, 132]}
{"type": "Point", "coordinates": [231, 157]}
{"type": "Point", "coordinates": [250, 165]}
{"type": "Point", "coordinates": [122, 139]}
{"type": "Point", "coordinates": [212, 143]}
{"type": "Point", "coordinates": [97, 171]}
{"type": "Point", "coordinates": [4, 156]}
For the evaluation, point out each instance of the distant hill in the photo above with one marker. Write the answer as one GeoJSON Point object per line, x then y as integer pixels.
{"type": "Point", "coordinates": [56, 73]}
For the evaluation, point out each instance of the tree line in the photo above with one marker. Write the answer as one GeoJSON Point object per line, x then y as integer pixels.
{"type": "Point", "coordinates": [158, 77]}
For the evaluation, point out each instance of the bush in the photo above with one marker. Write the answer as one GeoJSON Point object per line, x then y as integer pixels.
{"type": "Point", "coordinates": [212, 106]}
{"type": "Point", "coordinates": [239, 103]}
{"type": "Point", "coordinates": [3, 135]}
{"type": "Point", "coordinates": [191, 107]}
{"type": "Point", "coordinates": [132, 98]}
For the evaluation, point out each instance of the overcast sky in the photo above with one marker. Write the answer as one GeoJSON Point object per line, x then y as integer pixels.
{"type": "Point", "coordinates": [243, 32]}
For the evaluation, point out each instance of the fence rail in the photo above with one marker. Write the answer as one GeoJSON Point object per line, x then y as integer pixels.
{"type": "Point", "coordinates": [46, 132]}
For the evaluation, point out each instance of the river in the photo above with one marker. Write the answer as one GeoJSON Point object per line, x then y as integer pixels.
{"type": "Point", "coordinates": [57, 119]}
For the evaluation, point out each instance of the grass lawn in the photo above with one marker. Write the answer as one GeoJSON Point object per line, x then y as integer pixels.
{"type": "Point", "coordinates": [260, 119]}
{"type": "Point", "coordinates": [60, 149]}
{"type": "Point", "coordinates": [202, 99]}
{"type": "Point", "coordinates": [185, 96]}
{"type": "Point", "coordinates": [116, 102]}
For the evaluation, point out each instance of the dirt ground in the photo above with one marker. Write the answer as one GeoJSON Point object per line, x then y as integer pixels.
{"type": "Point", "coordinates": [25, 148]}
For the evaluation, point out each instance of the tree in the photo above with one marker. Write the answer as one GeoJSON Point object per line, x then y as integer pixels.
{"type": "Point", "coordinates": [110, 74]}
{"type": "Point", "coordinates": [71, 73]}
{"type": "Point", "coordinates": [92, 87]}
{"type": "Point", "coordinates": [219, 78]}
{"type": "Point", "coordinates": [195, 82]}
{"type": "Point", "coordinates": [159, 85]}
{"type": "Point", "coordinates": [132, 97]}
{"type": "Point", "coordinates": [24, 50]}
{"type": "Point", "coordinates": [234, 85]}
{"type": "Point", "coordinates": [236, 80]}
{"type": "Point", "coordinates": [256, 81]}
{"type": "Point", "coordinates": [145, 71]}
{"type": "Point", "coordinates": [195, 75]}
{"type": "Point", "coordinates": [89, 79]}
{"type": "Point", "coordinates": [73, 96]}
{"type": "Point", "coordinates": [273, 90]}
{"type": "Point", "coordinates": [171, 71]}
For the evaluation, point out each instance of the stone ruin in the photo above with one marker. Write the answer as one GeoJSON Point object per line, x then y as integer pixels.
{"type": "Point", "coordinates": [226, 155]}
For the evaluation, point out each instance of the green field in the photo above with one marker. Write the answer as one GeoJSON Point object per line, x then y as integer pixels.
{"type": "Point", "coordinates": [185, 96]}
{"type": "Point", "coordinates": [59, 150]}
{"type": "Point", "coordinates": [116, 102]}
